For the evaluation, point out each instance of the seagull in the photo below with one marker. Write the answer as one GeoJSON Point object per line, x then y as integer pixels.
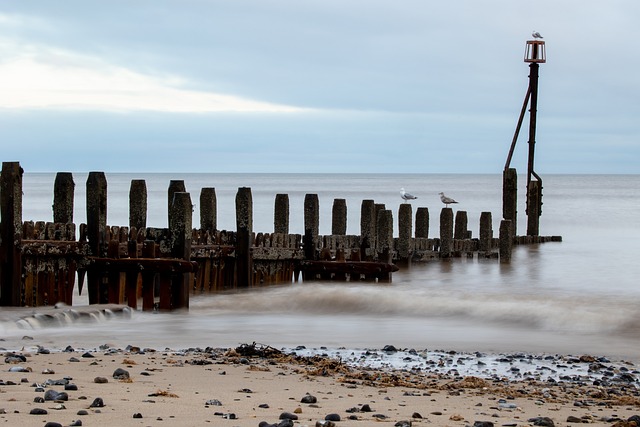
{"type": "Point", "coordinates": [406, 196]}
{"type": "Point", "coordinates": [536, 35]}
{"type": "Point", "coordinates": [446, 200]}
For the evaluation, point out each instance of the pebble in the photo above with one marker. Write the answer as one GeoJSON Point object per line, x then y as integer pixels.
{"type": "Point", "coordinates": [288, 416]}
{"type": "Point", "coordinates": [52, 424]}
{"type": "Point", "coordinates": [121, 374]}
{"type": "Point", "coordinates": [56, 396]}
{"type": "Point", "coordinates": [76, 423]}
{"type": "Point", "coordinates": [309, 399]}
{"type": "Point", "coordinates": [332, 417]}
{"type": "Point", "coordinates": [97, 403]}
{"type": "Point", "coordinates": [38, 411]}
{"type": "Point", "coordinates": [100, 380]}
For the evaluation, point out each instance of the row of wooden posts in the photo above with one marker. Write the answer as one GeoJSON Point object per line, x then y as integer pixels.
{"type": "Point", "coordinates": [162, 266]}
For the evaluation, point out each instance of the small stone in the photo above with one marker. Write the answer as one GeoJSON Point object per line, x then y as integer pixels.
{"type": "Point", "coordinates": [263, 406]}
{"type": "Point", "coordinates": [288, 416]}
{"type": "Point", "coordinates": [137, 415]}
{"type": "Point", "coordinates": [38, 411]}
{"type": "Point", "coordinates": [332, 417]}
{"type": "Point", "coordinates": [38, 399]}
{"type": "Point", "coordinates": [82, 412]}
{"type": "Point", "coordinates": [366, 408]}
{"type": "Point", "coordinates": [52, 424]}
{"type": "Point", "coordinates": [213, 402]}
{"type": "Point", "coordinates": [542, 421]}
{"type": "Point", "coordinates": [403, 424]}
{"type": "Point", "coordinates": [482, 424]}
{"type": "Point", "coordinates": [97, 403]}
{"type": "Point", "coordinates": [71, 387]}
{"type": "Point", "coordinates": [121, 374]}
{"type": "Point", "coordinates": [416, 415]}
{"type": "Point", "coordinates": [76, 423]}
{"type": "Point", "coordinates": [87, 355]}
{"type": "Point", "coordinates": [100, 380]}
{"type": "Point", "coordinates": [54, 395]}
{"type": "Point", "coordinates": [309, 399]}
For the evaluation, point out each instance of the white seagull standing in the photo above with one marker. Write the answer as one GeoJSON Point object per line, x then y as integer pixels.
{"type": "Point", "coordinates": [536, 35]}
{"type": "Point", "coordinates": [446, 200]}
{"type": "Point", "coordinates": [406, 196]}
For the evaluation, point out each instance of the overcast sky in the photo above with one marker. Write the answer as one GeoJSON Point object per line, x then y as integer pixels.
{"type": "Point", "coordinates": [316, 86]}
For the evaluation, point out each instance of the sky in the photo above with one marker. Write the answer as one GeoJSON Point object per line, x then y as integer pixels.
{"type": "Point", "coordinates": [356, 86]}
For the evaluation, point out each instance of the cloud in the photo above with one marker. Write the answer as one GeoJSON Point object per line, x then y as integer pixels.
{"type": "Point", "coordinates": [38, 76]}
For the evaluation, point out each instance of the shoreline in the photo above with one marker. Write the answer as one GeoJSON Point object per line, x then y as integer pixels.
{"type": "Point", "coordinates": [253, 384]}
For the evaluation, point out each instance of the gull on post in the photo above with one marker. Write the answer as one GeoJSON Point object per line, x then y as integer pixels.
{"type": "Point", "coordinates": [536, 35]}
{"type": "Point", "coordinates": [406, 196]}
{"type": "Point", "coordinates": [446, 200]}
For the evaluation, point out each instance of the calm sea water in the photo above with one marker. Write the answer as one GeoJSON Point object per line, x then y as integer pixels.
{"type": "Point", "coordinates": [578, 296]}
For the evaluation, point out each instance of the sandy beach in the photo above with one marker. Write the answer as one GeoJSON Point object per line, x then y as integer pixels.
{"type": "Point", "coordinates": [256, 385]}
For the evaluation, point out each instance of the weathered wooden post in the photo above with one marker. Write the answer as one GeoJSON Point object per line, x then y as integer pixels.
{"type": "Point", "coordinates": [175, 186]}
{"type": "Point", "coordinates": [281, 214]}
{"type": "Point", "coordinates": [63, 189]}
{"type": "Point", "coordinates": [311, 226]}
{"type": "Point", "coordinates": [534, 207]}
{"type": "Point", "coordinates": [244, 232]}
{"type": "Point", "coordinates": [96, 232]}
{"type": "Point", "coordinates": [367, 229]}
{"type": "Point", "coordinates": [138, 204]}
{"type": "Point", "coordinates": [180, 232]}
{"type": "Point", "coordinates": [510, 197]}
{"type": "Point", "coordinates": [405, 229]}
{"type": "Point", "coordinates": [506, 240]}
{"type": "Point", "coordinates": [149, 277]}
{"type": "Point", "coordinates": [446, 232]}
{"type": "Point", "coordinates": [384, 241]}
{"type": "Point", "coordinates": [339, 217]}
{"type": "Point", "coordinates": [208, 210]}
{"type": "Point", "coordinates": [461, 226]}
{"type": "Point", "coordinates": [11, 234]}
{"type": "Point", "coordinates": [422, 223]}
{"type": "Point", "coordinates": [486, 233]}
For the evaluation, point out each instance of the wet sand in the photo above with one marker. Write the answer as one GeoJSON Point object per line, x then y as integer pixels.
{"type": "Point", "coordinates": [256, 384]}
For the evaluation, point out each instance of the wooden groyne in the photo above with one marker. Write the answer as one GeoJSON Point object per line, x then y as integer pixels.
{"type": "Point", "coordinates": [159, 268]}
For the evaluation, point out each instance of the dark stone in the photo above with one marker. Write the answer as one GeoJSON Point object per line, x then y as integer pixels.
{"type": "Point", "coordinates": [389, 349]}
{"type": "Point", "coordinates": [285, 423]}
{"type": "Point", "coordinates": [263, 406]}
{"type": "Point", "coordinates": [213, 402]}
{"type": "Point", "coordinates": [635, 418]}
{"type": "Point", "coordinates": [82, 412]}
{"type": "Point", "coordinates": [482, 424]}
{"type": "Point", "coordinates": [100, 380]}
{"type": "Point", "coordinates": [54, 395]}
{"type": "Point", "coordinates": [572, 419]}
{"type": "Point", "coordinates": [38, 399]}
{"type": "Point", "coordinates": [52, 424]}
{"type": "Point", "coordinates": [403, 424]}
{"type": "Point", "coordinates": [76, 423]}
{"type": "Point", "coordinates": [97, 403]}
{"type": "Point", "coordinates": [137, 415]}
{"type": "Point", "coordinates": [366, 408]}
{"type": "Point", "coordinates": [38, 411]}
{"type": "Point", "coordinates": [87, 354]}
{"type": "Point", "coordinates": [288, 416]}
{"type": "Point", "coordinates": [542, 421]}
{"type": "Point", "coordinates": [416, 415]}
{"type": "Point", "coordinates": [121, 374]}
{"type": "Point", "coordinates": [332, 417]}
{"type": "Point", "coordinates": [71, 387]}
{"type": "Point", "coordinates": [309, 399]}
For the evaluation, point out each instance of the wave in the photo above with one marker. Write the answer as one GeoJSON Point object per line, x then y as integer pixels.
{"type": "Point", "coordinates": [569, 313]}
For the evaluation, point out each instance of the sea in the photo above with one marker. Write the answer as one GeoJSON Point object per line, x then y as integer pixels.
{"type": "Point", "coordinates": [578, 296]}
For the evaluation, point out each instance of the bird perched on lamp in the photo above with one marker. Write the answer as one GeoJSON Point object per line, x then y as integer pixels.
{"type": "Point", "coordinates": [536, 35]}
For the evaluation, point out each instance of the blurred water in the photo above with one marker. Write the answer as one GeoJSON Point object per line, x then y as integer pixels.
{"type": "Point", "coordinates": [578, 296]}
